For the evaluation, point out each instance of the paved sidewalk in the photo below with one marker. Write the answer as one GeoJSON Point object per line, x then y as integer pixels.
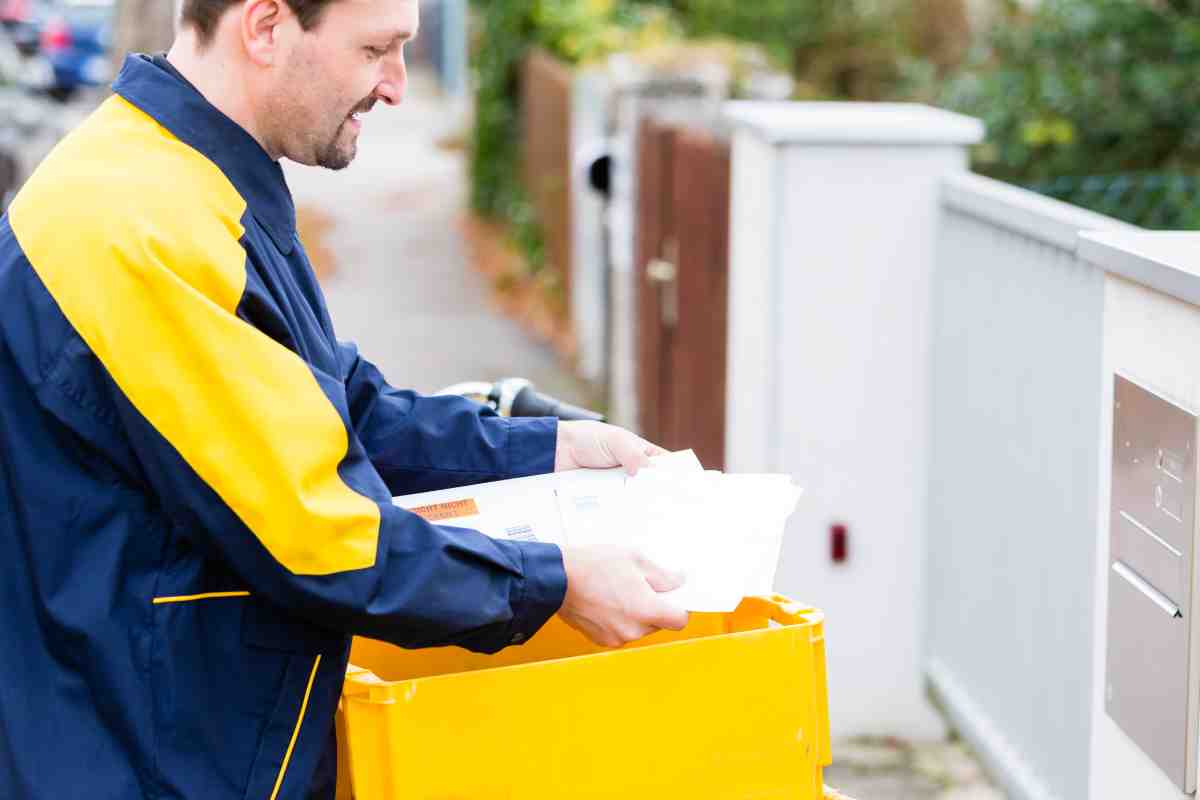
{"type": "Point", "coordinates": [401, 285]}
{"type": "Point", "coordinates": [892, 769]}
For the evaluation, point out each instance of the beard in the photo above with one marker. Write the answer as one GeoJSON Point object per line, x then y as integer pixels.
{"type": "Point", "coordinates": [336, 154]}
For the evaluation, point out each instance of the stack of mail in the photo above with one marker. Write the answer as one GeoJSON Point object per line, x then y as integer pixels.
{"type": "Point", "coordinates": [722, 532]}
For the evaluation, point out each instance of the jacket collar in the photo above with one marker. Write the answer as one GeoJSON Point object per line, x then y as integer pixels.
{"type": "Point", "coordinates": [180, 108]}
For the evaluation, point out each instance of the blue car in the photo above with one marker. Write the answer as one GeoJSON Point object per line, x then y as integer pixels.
{"type": "Point", "coordinates": [76, 41]}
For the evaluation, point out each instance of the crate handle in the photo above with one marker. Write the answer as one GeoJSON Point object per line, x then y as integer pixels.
{"type": "Point", "coordinates": [781, 609]}
{"type": "Point", "coordinates": [358, 681]}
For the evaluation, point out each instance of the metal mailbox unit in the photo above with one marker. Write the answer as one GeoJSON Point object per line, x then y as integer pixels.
{"type": "Point", "coordinates": [1151, 690]}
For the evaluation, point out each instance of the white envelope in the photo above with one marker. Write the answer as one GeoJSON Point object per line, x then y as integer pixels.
{"type": "Point", "coordinates": [723, 532]}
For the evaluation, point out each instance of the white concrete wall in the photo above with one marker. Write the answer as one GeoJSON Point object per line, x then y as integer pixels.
{"type": "Point", "coordinates": [835, 212]}
{"type": "Point", "coordinates": [1017, 322]}
{"type": "Point", "coordinates": [1151, 336]}
{"type": "Point", "coordinates": [1033, 321]}
{"type": "Point", "coordinates": [755, 216]}
{"type": "Point", "coordinates": [932, 355]}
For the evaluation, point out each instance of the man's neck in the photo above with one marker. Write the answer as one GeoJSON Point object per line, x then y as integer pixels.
{"type": "Point", "coordinates": [208, 71]}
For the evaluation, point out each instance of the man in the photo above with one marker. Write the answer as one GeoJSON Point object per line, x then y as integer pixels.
{"type": "Point", "coordinates": [196, 476]}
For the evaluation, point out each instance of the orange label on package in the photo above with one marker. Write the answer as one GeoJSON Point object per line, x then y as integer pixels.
{"type": "Point", "coordinates": [450, 510]}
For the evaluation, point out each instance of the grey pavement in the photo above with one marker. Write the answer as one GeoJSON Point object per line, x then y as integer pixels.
{"type": "Point", "coordinates": [402, 287]}
{"type": "Point", "coordinates": [894, 769]}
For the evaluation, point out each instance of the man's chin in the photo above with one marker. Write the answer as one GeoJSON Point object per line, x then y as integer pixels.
{"type": "Point", "coordinates": [337, 157]}
{"type": "Point", "coordinates": [336, 163]}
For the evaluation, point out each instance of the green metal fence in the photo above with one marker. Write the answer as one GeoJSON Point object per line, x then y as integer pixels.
{"type": "Point", "coordinates": [1158, 201]}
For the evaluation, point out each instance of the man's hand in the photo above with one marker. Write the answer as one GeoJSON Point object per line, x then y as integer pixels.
{"type": "Point", "coordinates": [595, 445]}
{"type": "Point", "coordinates": [613, 595]}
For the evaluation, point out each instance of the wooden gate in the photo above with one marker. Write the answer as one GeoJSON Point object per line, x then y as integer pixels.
{"type": "Point", "coordinates": [682, 263]}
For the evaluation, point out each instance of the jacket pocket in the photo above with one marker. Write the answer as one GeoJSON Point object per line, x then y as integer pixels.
{"type": "Point", "coordinates": [267, 628]}
{"type": "Point", "coordinates": [213, 696]}
{"type": "Point", "coordinates": [298, 726]}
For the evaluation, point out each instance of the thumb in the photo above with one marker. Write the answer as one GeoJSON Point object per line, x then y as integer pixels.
{"type": "Point", "coordinates": [633, 457]}
{"type": "Point", "coordinates": [662, 613]}
{"type": "Point", "coordinates": [660, 578]}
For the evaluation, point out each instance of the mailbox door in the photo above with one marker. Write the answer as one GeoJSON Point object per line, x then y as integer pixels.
{"type": "Point", "coordinates": [1148, 692]}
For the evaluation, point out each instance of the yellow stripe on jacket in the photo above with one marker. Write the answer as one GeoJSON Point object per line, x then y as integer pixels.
{"type": "Point", "coordinates": [149, 270]}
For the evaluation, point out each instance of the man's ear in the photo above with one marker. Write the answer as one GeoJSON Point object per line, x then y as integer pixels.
{"type": "Point", "coordinates": [261, 23]}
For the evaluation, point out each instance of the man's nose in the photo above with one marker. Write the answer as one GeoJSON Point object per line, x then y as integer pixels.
{"type": "Point", "coordinates": [395, 79]}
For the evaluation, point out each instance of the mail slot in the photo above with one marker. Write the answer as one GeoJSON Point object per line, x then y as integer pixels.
{"type": "Point", "coordinates": [1149, 691]}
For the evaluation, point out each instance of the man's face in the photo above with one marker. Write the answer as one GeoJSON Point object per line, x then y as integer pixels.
{"type": "Point", "coordinates": [330, 75]}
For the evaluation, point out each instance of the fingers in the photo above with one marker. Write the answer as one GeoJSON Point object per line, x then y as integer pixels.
{"type": "Point", "coordinates": [646, 450]}
{"type": "Point", "coordinates": [615, 595]}
{"type": "Point", "coordinates": [662, 613]}
{"type": "Point", "coordinates": [666, 615]}
{"type": "Point", "coordinates": [658, 615]}
{"type": "Point", "coordinates": [596, 445]}
{"type": "Point", "coordinates": [614, 635]}
{"type": "Point", "coordinates": [634, 452]}
{"type": "Point", "coordinates": [660, 578]}
{"type": "Point", "coordinates": [631, 453]}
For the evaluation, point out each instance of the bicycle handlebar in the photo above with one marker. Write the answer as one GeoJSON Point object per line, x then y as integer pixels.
{"type": "Point", "coordinates": [517, 397]}
{"type": "Point", "coordinates": [528, 402]}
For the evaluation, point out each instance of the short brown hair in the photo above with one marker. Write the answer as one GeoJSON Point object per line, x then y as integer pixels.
{"type": "Point", "coordinates": [204, 15]}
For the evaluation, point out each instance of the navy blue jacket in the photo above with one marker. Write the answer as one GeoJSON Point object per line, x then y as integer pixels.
{"type": "Point", "coordinates": [196, 476]}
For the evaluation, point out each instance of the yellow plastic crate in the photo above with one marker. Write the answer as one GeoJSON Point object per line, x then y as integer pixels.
{"type": "Point", "coordinates": [732, 707]}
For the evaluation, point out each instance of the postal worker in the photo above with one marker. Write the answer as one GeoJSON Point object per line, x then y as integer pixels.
{"type": "Point", "coordinates": [196, 475]}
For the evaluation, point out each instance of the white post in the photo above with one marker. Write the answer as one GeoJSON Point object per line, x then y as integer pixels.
{"type": "Point", "coordinates": [834, 214]}
{"type": "Point", "coordinates": [454, 47]}
{"type": "Point", "coordinates": [591, 95]}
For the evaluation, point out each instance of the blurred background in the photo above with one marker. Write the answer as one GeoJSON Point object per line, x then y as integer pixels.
{"type": "Point", "coordinates": [573, 193]}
